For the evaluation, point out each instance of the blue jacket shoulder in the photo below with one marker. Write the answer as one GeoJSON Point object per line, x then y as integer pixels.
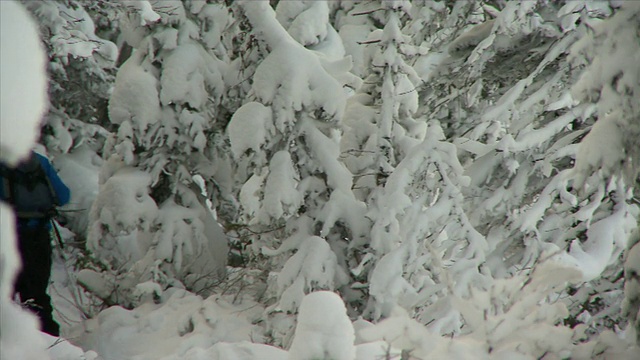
{"type": "Point", "coordinates": [62, 191]}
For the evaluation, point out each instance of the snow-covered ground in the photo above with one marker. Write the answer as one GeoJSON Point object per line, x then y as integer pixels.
{"type": "Point", "coordinates": [182, 325]}
{"type": "Point", "coordinates": [228, 326]}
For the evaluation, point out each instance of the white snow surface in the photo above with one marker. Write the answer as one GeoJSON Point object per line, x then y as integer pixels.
{"type": "Point", "coordinates": [243, 350]}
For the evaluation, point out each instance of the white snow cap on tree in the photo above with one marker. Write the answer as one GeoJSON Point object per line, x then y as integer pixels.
{"type": "Point", "coordinates": [306, 21]}
{"type": "Point", "coordinates": [324, 330]}
{"type": "Point", "coordinates": [135, 96]}
{"type": "Point", "coordinates": [248, 128]}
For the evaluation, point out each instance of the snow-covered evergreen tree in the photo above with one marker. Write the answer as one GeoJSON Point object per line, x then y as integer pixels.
{"type": "Point", "coordinates": [80, 64]}
{"type": "Point", "coordinates": [379, 126]}
{"type": "Point", "coordinates": [513, 129]}
{"type": "Point", "coordinates": [606, 168]}
{"type": "Point", "coordinates": [296, 194]}
{"type": "Point", "coordinates": [460, 173]}
{"type": "Point", "coordinates": [81, 72]}
{"type": "Point", "coordinates": [151, 223]}
{"type": "Point", "coordinates": [517, 128]}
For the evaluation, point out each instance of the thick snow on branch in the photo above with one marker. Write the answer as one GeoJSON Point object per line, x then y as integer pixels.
{"type": "Point", "coordinates": [306, 22]}
{"type": "Point", "coordinates": [249, 128]}
{"type": "Point", "coordinates": [313, 267]}
{"type": "Point", "coordinates": [135, 96]}
{"type": "Point", "coordinates": [121, 213]}
{"type": "Point", "coordinates": [471, 37]}
{"type": "Point", "coordinates": [263, 19]}
{"type": "Point", "coordinates": [291, 79]}
{"type": "Point", "coordinates": [188, 73]}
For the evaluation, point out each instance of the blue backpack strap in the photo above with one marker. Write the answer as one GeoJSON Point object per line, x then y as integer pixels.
{"type": "Point", "coordinates": [32, 174]}
{"type": "Point", "coordinates": [5, 194]}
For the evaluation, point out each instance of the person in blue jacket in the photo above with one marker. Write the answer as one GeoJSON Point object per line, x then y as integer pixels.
{"type": "Point", "coordinates": [34, 189]}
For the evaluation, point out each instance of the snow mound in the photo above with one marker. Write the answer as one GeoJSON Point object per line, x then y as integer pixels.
{"type": "Point", "coordinates": [324, 331]}
{"type": "Point", "coordinates": [243, 350]}
{"type": "Point", "coordinates": [181, 326]}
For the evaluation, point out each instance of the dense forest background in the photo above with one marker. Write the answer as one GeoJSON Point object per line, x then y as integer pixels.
{"type": "Point", "coordinates": [462, 174]}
